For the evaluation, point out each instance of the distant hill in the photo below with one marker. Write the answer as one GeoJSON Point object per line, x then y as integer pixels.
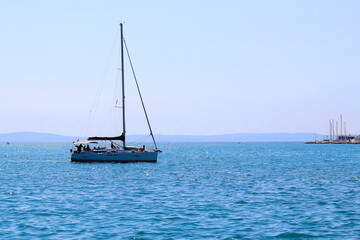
{"type": "Point", "coordinates": [35, 137]}
{"type": "Point", "coordinates": [239, 137]}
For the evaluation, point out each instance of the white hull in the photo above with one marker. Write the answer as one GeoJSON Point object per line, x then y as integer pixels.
{"type": "Point", "coordinates": [118, 156]}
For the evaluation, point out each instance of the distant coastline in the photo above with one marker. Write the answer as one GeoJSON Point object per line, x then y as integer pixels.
{"type": "Point", "coordinates": [237, 137]}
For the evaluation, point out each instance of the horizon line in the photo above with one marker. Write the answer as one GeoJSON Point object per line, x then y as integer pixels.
{"type": "Point", "coordinates": [164, 134]}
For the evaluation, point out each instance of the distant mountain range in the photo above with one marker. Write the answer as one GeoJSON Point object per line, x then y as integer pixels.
{"type": "Point", "coordinates": [35, 137]}
{"type": "Point", "coordinates": [238, 137]}
{"type": "Point", "coordinates": [241, 137]}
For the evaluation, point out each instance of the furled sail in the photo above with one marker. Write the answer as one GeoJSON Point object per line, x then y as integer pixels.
{"type": "Point", "coordinates": [121, 138]}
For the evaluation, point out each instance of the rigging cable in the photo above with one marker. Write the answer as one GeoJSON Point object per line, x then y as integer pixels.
{"type": "Point", "coordinates": [138, 88]}
{"type": "Point", "coordinates": [141, 139]}
{"type": "Point", "coordinates": [95, 103]}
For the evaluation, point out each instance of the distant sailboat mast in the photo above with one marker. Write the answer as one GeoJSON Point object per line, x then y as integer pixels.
{"type": "Point", "coordinates": [341, 125]}
{"type": "Point", "coordinates": [337, 130]}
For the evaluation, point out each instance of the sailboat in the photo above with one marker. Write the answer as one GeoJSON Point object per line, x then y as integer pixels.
{"type": "Point", "coordinates": [119, 153]}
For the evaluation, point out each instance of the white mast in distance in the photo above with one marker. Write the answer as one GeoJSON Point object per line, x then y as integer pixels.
{"type": "Point", "coordinates": [345, 128]}
{"type": "Point", "coordinates": [337, 129]}
{"type": "Point", "coordinates": [341, 124]}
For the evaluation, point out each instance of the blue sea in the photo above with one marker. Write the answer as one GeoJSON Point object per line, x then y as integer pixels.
{"type": "Point", "coordinates": [195, 191]}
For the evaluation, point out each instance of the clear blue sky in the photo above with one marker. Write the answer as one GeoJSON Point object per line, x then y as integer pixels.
{"type": "Point", "coordinates": [205, 67]}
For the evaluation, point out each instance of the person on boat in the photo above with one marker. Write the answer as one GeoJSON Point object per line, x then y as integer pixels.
{"type": "Point", "coordinates": [79, 147]}
{"type": "Point", "coordinates": [87, 148]}
{"type": "Point", "coordinates": [142, 149]}
{"type": "Point", "coordinates": [112, 145]}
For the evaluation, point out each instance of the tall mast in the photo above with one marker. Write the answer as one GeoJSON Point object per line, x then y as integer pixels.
{"type": "Point", "coordinates": [341, 125]}
{"type": "Point", "coordinates": [345, 128]}
{"type": "Point", "coordinates": [122, 79]}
